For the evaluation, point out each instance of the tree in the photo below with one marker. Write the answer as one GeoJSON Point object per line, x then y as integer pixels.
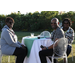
{"type": "Point", "coordinates": [49, 14]}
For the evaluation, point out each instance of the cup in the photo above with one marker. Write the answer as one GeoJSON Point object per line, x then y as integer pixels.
{"type": "Point", "coordinates": [32, 34]}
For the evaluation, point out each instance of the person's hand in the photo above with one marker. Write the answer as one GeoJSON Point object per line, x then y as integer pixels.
{"type": "Point", "coordinates": [23, 47]}
{"type": "Point", "coordinates": [44, 48]}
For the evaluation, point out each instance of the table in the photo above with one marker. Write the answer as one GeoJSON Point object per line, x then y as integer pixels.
{"type": "Point", "coordinates": [34, 47]}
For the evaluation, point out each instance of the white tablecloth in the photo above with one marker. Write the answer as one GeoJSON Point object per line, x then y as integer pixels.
{"type": "Point", "coordinates": [34, 54]}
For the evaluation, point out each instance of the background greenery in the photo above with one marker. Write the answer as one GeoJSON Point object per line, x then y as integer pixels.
{"type": "Point", "coordinates": [36, 21]}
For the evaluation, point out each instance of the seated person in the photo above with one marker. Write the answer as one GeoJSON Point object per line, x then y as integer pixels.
{"type": "Point", "coordinates": [56, 34]}
{"type": "Point", "coordinates": [9, 43]}
{"type": "Point", "coordinates": [69, 33]}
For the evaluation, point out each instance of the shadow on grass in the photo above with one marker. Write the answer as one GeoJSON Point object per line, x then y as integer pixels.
{"type": "Point", "coordinates": [69, 60]}
{"type": "Point", "coordinates": [73, 42]}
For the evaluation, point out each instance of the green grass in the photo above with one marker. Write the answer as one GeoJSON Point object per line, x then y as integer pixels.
{"type": "Point", "coordinates": [22, 34]}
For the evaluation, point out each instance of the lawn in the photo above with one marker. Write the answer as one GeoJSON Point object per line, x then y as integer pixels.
{"type": "Point", "coordinates": [22, 34]}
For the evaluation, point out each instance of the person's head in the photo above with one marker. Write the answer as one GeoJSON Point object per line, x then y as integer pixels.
{"type": "Point", "coordinates": [66, 23]}
{"type": "Point", "coordinates": [9, 22]}
{"type": "Point", "coordinates": [54, 23]}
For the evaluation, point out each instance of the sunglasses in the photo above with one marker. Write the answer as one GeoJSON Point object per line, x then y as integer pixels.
{"type": "Point", "coordinates": [11, 23]}
{"type": "Point", "coordinates": [66, 23]}
{"type": "Point", "coordinates": [53, 23]}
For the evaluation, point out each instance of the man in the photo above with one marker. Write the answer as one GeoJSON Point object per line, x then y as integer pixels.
{"type": "Point", "coordinates": [56, 34]}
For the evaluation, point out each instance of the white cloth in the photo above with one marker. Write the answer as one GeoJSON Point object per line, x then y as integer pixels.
{"type": "Point", "coordinates": [34, 54]}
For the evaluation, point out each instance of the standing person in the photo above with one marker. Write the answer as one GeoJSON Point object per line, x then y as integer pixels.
{"type": "Point", "coordinates": [56, 34]}
{"type": "Point", "coordinates": [69, 33]}
{"type": "Point", "coordinates": [9, 43]}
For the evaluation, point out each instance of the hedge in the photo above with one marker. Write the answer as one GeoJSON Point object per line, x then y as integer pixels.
{"type": "Point", "coordinates": [36, 21]}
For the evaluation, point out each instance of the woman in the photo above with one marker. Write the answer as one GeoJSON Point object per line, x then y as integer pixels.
{"type": "Point", "coordinates": [69, 33]}
{"type": "Point", "coordinates": [9, 43]}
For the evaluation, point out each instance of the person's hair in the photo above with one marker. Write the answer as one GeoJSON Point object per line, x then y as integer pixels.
{"type": "Point", "coordinates": [55, 19]}
{"type": "Point", "coordinates": [9, 18]}
{"type": "Point", "coordinates": [69, 21]}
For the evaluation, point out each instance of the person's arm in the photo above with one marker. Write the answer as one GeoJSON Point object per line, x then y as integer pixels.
{"type": "Point", "coordinates": [19, 43]}
{"type": "Point", "coordinates": [70, 37]}
{"type": "Point", "coordinates": [9, 39]}
{"type": "Point", "coordinates": [50, 47]}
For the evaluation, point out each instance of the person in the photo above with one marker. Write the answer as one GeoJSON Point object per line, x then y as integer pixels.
{"type": "Point", "coordinates": [9, 43]}
{"type": "Point", "coordinates": [56, 34]}
{"type": "Point", "coordinates": [69, 33]}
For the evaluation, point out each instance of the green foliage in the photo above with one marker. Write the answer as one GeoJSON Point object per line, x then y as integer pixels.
{"type": "Point", "coordinates": [2, 18]}
{"type": "Point", "coordinates": [70, 15]}
{"type": "Point", "coordinates": [36, 21]}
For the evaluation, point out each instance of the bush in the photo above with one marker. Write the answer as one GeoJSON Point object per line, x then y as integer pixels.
{"type": "Point", "coordinates": [2, 21]}
{"type": "Point", "coordinates": [36, 21]}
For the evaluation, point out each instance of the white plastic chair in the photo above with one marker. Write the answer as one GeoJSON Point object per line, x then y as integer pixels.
{"type": "Point", "coordinates": [2, 54]}
{"type": "Point", "coordinates": [45, 34]}
{"type": "Point", "coordinates": [59, 49]}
